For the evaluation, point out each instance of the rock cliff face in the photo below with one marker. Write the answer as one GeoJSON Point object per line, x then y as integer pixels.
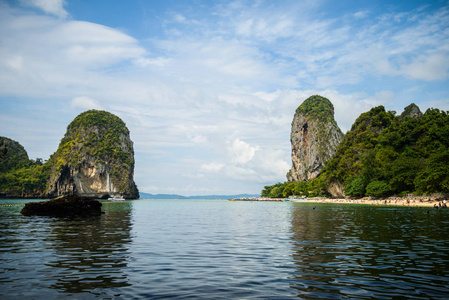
{"type": "Point", "coordinates": [94, 159]}
{"type": "Point", "coordinates": [315, 137]}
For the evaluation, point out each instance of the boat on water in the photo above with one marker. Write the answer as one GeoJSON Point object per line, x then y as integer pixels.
{"type": "Point", "coordinates": [119, 198]}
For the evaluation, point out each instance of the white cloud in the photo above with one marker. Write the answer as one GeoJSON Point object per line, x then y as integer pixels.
{"type": "Point", "coordinates": [212, 167]}
{"type": "Point", "coordinates": [85, 103]}
{"type": "Point", "coordinates": [241, 152]}
{"type": "Point", "coordinates": [92, 44]}
{"type": "Point", "coordinates": [432, 67]}
{"type": "Point", "coordinates": [45, 57]}
{"type": "Point", "coordinates": [54, 7]}
{"type": "Point", "coordinates": [360, 14]}
{"type": "Point", "coordinates": [241, 173]}
{"type": "Point", "coordinates": [15, 63]}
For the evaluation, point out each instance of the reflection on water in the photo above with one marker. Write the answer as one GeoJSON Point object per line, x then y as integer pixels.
{"type": "Point", "coordinates": [369, 252]}
{"type": "Point", "coordinates": [91, 252]}
{"type": "Point", "coordinates": [67, 255]}
{"type": "Point", "coordinates": [226, 250]}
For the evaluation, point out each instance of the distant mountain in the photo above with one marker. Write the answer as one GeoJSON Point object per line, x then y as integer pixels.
{"type": "Point", "coordinates": [209, 197]}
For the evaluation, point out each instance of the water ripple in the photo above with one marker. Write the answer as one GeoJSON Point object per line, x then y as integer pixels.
{"type": "Point", "coordinates": [222, 250]}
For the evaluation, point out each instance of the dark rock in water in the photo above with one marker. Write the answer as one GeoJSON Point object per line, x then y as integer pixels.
{"type": "Point", "coordinates": [69, 205]}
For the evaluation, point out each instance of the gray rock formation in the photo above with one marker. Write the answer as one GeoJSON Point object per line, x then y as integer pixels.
{"type": "Point", "coordinates": [411, 111]}
{"type": "Point", "coordinates": [336, 189]}
{"type": "Point", "coordinates": [314, 137]}
{"type": "Point", "coordinates": [94, 159]}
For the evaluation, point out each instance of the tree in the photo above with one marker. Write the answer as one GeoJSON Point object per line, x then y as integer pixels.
{"type": "Point", "coordinates": [356, 187]}
{"type": "Point", "coordinates": [377, 188]}
{"type": "Point", "coordinates": [276, 192]}
{"type": "Point", "coordinates": [300, 188]}
{"type": "Point", "coordinates": [435, 176]}
{"type": "Point", "coordinates": [403, 173]}
{"type": "Point", "coordinates": [288, 190]}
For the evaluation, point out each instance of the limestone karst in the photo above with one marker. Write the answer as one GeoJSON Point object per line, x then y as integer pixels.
{"type": "Point", "coordinates": [314, 138]}
{"type": "Point", "coordinates": [94, 159]}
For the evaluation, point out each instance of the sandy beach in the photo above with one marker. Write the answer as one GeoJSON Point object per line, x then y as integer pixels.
{"type": "Point", "coordinates": [419, 201]}
{"type": "Point", "coordinates": [394, 201]}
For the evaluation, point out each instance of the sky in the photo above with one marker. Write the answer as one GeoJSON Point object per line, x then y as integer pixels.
{"type": "Point", "coordinates": [208, 89]}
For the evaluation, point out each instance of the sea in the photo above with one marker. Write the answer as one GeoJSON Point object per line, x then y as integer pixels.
{"type": "Point", "coordinates": [218, 249]}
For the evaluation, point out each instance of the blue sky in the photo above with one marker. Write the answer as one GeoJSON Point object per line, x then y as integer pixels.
{"type": "Point", "coordinates": [208, 89]}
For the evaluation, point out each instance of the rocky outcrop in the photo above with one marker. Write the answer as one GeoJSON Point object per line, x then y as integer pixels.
{"type": "Point", "coordinates": [411, 111]}
{"type": "Point", "coordinates": [314, 137]}
{"type": "Point", "coordinates": [69, 205]}
{"type": "Point", "coordinates": [94, 159]}
{"type": "Point", "coordinates": [336, 189]}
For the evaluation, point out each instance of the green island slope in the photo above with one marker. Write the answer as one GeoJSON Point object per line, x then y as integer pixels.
{"type": "Point", "coordinates": [95, 158]}
{"type": "Point", "coordinates": [20, 176]}
{"type": "Point", "coordinates": [383, 155]}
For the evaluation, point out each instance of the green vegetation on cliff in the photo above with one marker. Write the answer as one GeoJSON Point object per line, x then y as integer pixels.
{"type": "Point", "coordinates": [358, 147]}
{"type": "Point", "coordinates": [97, 141]}
{"type": "Point", "coordinates": [20, 176]}
{"type": "Point", "coordinates": [384, 155]}
{"type": "Point", "coordinates": [394, 155]}
{"type": "Point", "coordinates": [96, 133]}
{"type": "Point", "coordinates": [317, 107]}
{"type": "Point", "coordinates": [101, 139]}
{"type": "Point", "coordinates": [12, 155]}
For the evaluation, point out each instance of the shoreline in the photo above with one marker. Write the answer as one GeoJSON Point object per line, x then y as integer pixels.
{"type": "Point", "coordinates": [393, 201]}
{"type": "Point", "coordinates": [397, 201]}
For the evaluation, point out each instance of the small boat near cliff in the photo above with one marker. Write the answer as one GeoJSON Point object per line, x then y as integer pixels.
{"type": "Point", "coordinates": [119, 198]}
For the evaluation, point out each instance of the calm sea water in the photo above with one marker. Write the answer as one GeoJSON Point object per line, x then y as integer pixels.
{"type": "Point", "coordinates": [230, 250]}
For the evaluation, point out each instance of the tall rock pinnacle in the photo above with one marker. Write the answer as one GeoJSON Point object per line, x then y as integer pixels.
{"type": "Point", "coordinates": [315, 137]}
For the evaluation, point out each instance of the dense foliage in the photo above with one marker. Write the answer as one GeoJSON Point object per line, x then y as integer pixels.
{"type": "Point", "coordinates": [312, 188]}
{"type": "Point", "coordinates": [317, 107]}
{"type": "Point", "coordinates": [12, 155]}
{"type": "Point", "coordinates": [356, 152]}
{"type": "Point", "coordinates": [20, 176]}
{"type": "Point", "coordinates": [94, 132]}
{"type": "Point", "coordinates": [384, 155]}
{"type": "Point", "coordinates": [25, 182]}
